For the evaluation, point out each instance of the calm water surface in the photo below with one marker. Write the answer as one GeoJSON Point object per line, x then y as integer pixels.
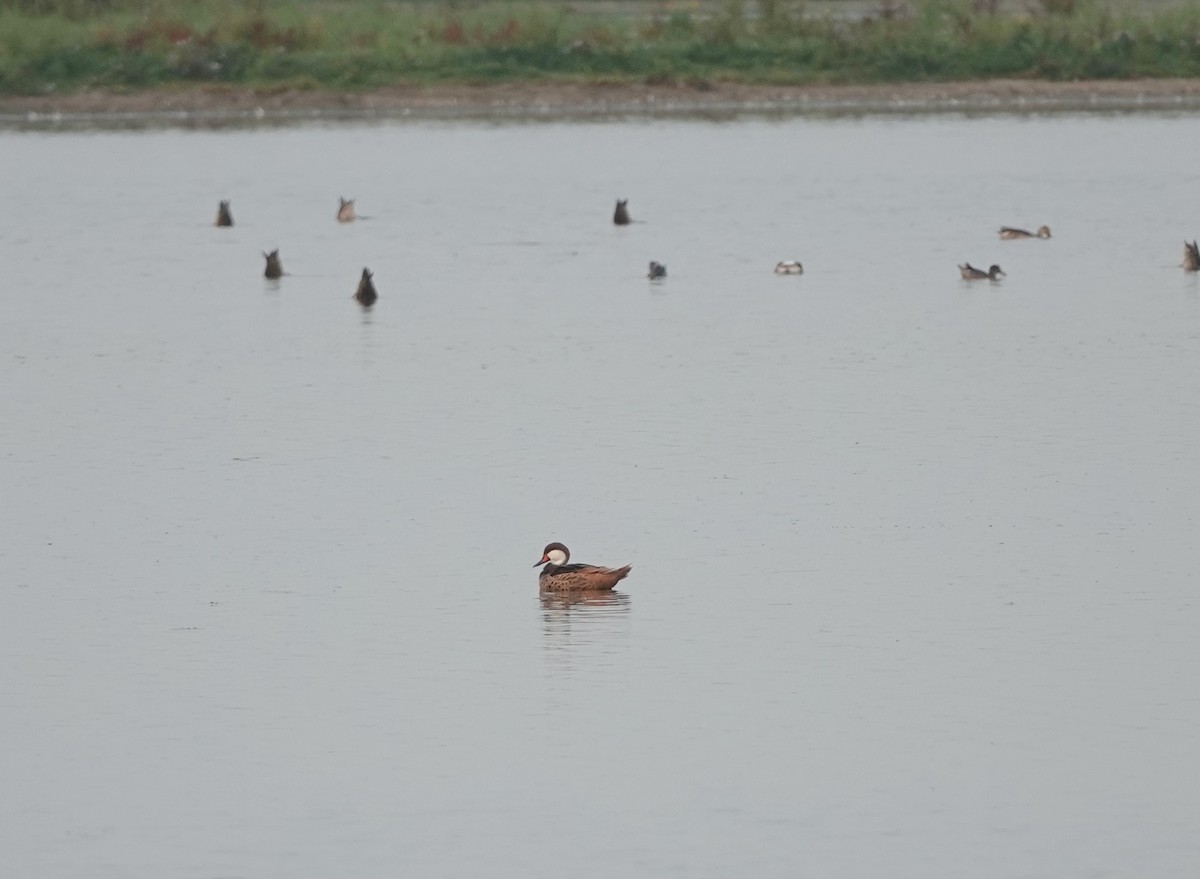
{"type": "Point", "coordinates": [914, 589]}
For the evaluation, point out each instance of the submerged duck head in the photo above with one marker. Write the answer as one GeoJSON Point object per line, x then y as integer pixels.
{"type": "Point", "coordinates": [274, 267]}
{"type": "Point", "coordinates": [1191, 257]}
{"type": "Point", "coordinates": [365, 294]}
{"type": "Point", "coordinates": [554, 553]}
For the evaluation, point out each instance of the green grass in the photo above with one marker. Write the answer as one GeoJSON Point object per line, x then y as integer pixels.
{"type": "Point", "coordinates": [65, 45]}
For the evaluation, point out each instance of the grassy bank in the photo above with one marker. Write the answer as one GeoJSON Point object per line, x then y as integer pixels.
{"type": "Point", "coordinates": [66, 45]}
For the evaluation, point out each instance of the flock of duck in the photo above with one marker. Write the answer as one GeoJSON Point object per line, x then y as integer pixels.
{"type": "Point", "coordinates": [658, 271]}
{"type": "Point", "coordinates": [366, 293]}
{"type": "Point", "coordinates": [968, 272]}
{"type": "Point", "coordinates": [558, 575]}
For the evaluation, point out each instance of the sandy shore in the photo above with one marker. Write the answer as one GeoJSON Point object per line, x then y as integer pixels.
{"type": "Point", "coordinates": [565, 99]}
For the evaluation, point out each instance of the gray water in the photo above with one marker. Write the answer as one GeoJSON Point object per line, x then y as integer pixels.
{"type": "Point", "coordinates": [914, 559]}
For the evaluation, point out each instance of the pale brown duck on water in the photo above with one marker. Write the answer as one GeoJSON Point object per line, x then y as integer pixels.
{"type": "Point", "coordinates": [1191, 257]}
{"type": "Point", "coordinates": [224, 217]}
{"type": "Point", "coordinates": [1008, 233]}
{"type": "Point", "coordinates": [365, 294]}
{"type": "Point", "coordinates": [274, 267]}
{"type": "Point", "coordinates": [345, 212]}
{"type": "Point", "coordinates": [558, 576]}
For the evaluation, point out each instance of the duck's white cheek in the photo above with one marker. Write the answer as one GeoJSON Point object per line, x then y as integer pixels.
{"type": "Point", "coordinates": [556, 557]}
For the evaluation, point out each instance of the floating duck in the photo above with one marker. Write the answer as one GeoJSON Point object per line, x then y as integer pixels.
{"type": "Point", "coordinates": [365, 294]}
{"type": "Point", "coordinates": [1008, 233]}
{"type": "Point", "coordinates": [789, 267]}
{"type": "Point", "coordinates": [1191, 257]}
{"type": "Point", "coordinates": [657, 270]}
{"type": "Point", "coordinates": [224, 218]}
{"type": "Point", "coordinates": [558, 576]}
{"type": "Point", "coordinates": [274, 267]}
{"type": "Point", "coordinates": [970, 273]}
{"type": "Point", "coordinates": [621, 214]}
{"type": "Point", "coordinates": [345, 212]}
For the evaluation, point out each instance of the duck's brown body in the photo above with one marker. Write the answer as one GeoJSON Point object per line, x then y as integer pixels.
{"type": "Point", "coordinates": [274, 267]}
{"type": "Point", "coordinates": [1191, 257]}
{"type": "Point", "coordinates": [365, 294]}
{"type": "Point", "coordinates": [345, 212]}
{"type": "Point", "coordinates": [558, 576]}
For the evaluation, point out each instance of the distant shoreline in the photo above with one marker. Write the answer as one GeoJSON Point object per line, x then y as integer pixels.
{"type": "Point", "coordinates": [565, 99]}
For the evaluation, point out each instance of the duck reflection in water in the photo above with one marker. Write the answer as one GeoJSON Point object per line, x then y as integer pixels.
{"type": "Point", "coordinates": [580, 628]}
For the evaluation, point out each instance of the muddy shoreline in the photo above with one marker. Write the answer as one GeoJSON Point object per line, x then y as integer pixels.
{"type": "Point", "coordinates": [566, 99]}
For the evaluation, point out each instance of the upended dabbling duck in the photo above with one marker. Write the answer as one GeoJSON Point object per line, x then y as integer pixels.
{"type": "Point", "coordinates": [1191, 257]}
{"type": "Point", "coordinates": [558, 576]}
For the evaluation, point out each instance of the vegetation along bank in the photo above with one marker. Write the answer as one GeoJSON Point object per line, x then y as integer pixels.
{"type": "Point", "coordinates": [68, 46]}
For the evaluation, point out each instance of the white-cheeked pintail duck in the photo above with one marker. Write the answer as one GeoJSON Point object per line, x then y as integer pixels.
{"type": "Point", "coordinates": [789, 267]}
{"type": "Point", "coordinates": [621, 213]}
{"type": "Point", "coordinates": [970, 273]}
{"type": "Point", "coordinates": [657, 270]}
{"type": "Point", "coordinates": [1191, 257]}
{"type": "Point", "coordinates": [558, 576]}
{"type": "Point", "coordinates": [345, 212]}
{"type": "Point", "coordinates": [224, 217]}
{"type": "Point", "coordinates": [1008, 233]}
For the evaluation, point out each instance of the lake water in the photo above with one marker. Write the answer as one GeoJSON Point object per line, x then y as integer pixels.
{"type": "Point", "coordinates": [914, 587]}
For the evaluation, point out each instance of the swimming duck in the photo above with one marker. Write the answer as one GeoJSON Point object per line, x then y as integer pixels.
{"type": "Point", "coordinates": [621, 214]}
{"type": "Point", "coordinates": [970, 273]}
{"type": "Point", "coordinates": [657, 270]}
{"type": "Point", "coordinates": [789, 267]}
{"type": "Point", "coordinates": [365, 294]}
{"type": "Point", "coordinates": [1008, 233]}
{"type": "Point", "coordinates": [345, 212]}
{"type": "Point", "coordinates": [274, 266]}
{"type": "Point", "coordinates": [224, 218]}
{"type": "Point", "coordinates": [558, 576]}
{"type": "Point", "coordinates": [1191, 257]}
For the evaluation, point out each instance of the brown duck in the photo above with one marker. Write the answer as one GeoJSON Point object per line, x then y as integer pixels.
{"type": "Point", "coordinates": [558, 576]}
{"type": "Point", "coordinates": [621, 214]}
{"type": "Point", "coordinates": [1191, 257]}
{"type": "Point", "coordinates": [224, 217]}
{"type": "Point", "coordinates": [345, 212]}
{"type": "Point", "coordinates": [970, 273]}
{"type": "Point", "coordinates": [274, 267]}
{"type": "Point", "coordinates": [1008, 233]}
{"type": "Point", "coordinates": [365, 294]}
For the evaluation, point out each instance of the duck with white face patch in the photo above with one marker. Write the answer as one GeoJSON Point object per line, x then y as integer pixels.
{"type": "Point", "coordinates": [559, 576]}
